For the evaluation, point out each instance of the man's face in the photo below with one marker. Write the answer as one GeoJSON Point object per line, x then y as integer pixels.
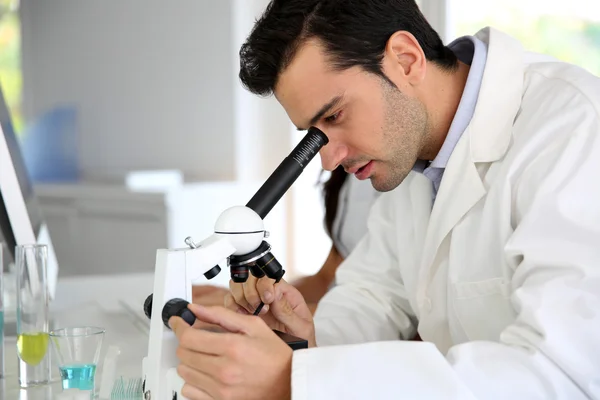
{"type": "Point", "coordinates": [374, 130]}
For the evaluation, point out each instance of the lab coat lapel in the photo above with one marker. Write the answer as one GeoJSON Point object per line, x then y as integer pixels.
{"type": "Point", "coordinates": [485, 140]}
{"type": "Point", "coordinates": [459, 191]}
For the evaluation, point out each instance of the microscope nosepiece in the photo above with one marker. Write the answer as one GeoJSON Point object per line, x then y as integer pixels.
{"type": "Point", "coordinates": [239, 274]}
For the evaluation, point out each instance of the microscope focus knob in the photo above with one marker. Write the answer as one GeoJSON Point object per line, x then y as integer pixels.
{"type": "Point", "coordinates": [148, 306]}
{"type": "Point", "coordinates": [177, 308]}
{"type": "Point", "coordinates": [211, 273]}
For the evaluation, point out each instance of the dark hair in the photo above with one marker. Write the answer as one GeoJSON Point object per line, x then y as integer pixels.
{"type": "Point", "coordinates": [331, 196]}
{"type": "Point", "coordinates": [353, 32]}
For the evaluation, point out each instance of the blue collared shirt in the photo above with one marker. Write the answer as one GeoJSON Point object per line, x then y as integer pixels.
{"type": "Point", "coordinates": [472, 51]}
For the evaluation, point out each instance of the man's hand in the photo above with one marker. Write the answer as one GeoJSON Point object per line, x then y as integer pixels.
{"type": "Point", "coordinates": [208, 295]}
{"type": "Point", "coordinates": [285, 309]}
{"type": "Point", "coordinates": [247, 362]}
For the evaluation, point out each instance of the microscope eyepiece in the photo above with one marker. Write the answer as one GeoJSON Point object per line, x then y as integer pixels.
{"type": "Point", "coordinates": [287, 172]}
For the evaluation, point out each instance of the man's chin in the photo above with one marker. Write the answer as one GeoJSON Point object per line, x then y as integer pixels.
{"type": "Point", "coordinates": [381, 184]}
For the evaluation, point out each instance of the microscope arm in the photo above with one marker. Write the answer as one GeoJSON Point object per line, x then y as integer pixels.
{"type": "Point", "coordinates": [238, 238]}
{"type": "Point", "coordinates": [175, 272]}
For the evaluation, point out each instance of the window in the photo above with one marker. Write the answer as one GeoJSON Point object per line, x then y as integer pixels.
{"type": "Point", "coordinates": [567, 30]}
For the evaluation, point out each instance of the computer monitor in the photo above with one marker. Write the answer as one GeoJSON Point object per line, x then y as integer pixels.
{"type": "Point", "coordinates": [21, 218]}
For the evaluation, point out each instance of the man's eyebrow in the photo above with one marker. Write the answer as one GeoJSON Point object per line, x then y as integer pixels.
{"type": "Point", "coordinates": [331, 104]}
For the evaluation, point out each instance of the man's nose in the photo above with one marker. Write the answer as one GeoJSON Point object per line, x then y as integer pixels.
{"type": "Point", "coordinates": [332, 155]}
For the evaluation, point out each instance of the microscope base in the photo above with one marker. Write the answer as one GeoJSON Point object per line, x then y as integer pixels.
{"type": "Point", "coordinates": [294, 342]}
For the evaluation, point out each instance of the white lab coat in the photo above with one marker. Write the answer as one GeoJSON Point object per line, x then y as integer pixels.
{"type": "Point", "coordinates": [501, 277]}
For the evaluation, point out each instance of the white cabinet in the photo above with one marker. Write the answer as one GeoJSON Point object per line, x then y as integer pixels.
{"type": "Point", "coordinates": [108, 229]}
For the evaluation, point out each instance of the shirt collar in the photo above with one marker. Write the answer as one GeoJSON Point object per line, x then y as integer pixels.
{"type": "Point", "coordinates": [472, 51]}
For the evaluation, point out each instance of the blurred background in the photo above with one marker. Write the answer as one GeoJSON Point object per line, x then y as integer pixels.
{"type": "Point", "coordinates": [137, 133]}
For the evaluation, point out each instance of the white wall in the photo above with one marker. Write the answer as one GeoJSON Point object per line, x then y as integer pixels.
{"type": "Point", "coordinates": [157, 87]}
{"type": "Point", "coordinates": [262, 127]}
{"type": "Point", "coordinates": [153, 81]}
{"type": "Point", "coordinates": [436, 12]}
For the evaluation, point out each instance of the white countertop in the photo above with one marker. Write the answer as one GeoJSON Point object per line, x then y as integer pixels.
{"type": "Point", "coordinates": [112, 302]}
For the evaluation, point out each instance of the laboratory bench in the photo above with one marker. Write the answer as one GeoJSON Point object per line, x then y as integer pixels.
{"type": "Point", "coordinates": [114, 303]}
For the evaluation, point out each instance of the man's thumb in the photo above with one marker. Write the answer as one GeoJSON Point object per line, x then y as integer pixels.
{"type": "Point", "coordinates": [283, 311]}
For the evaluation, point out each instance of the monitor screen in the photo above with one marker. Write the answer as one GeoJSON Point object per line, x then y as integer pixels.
{"type": "Point", "coordinates": [7, 235]}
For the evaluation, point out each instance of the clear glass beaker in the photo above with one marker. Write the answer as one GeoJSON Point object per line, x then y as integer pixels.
{"type": "Point", "coordinates": [32, 314]}
{"type": "Point", "coordinates": [77, 351]}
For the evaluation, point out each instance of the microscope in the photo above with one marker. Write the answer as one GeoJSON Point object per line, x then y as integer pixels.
{"type": "Point", "coordinates": [238, 242]}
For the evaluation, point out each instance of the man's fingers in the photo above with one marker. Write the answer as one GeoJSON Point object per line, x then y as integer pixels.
{"type": "Point", "coordinates": [265, 288]}
{"type": "Point", "coordinates": [237, 291]}
{"type": "Point", "coordinates": [231, 304]}
{"type": "Point", "coordinates": [290, 309]}
{"type": "Point", "coordinates": [208, 295]}
{"type": "Point", "coordinates": [283, 311]}
{"type": "Point", "coordinates": [193, 393]}
{"type": "Point", "coordinates": [205, 363]}
{"type": "Point", "coordinates": [225, 318]}
{"type": "Point", "coordinates": [198, 340]}
{"type": "Point", "coordinates": [293, 296]}
{"type": "Point", "coordinates": [201, 290]}
{"type": "Point", "coordinates": [198, 386]}
{"type": "Point", "coordinates": [178, 325]}
{"type": "Point", "coordinates": [251, 293]}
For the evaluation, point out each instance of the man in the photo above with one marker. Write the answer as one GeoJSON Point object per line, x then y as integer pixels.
{"type": "Point", "coordinates": [347, 202]}
{"type": "Point", "coordinates": [487, 241]}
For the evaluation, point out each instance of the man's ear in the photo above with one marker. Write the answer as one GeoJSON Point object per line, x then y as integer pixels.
{"type": "Point", "coordinates": [404, 59]}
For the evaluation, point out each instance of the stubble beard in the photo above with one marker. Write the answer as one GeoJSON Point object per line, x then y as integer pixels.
{"type": "Point", "coordinates": [404, 133]}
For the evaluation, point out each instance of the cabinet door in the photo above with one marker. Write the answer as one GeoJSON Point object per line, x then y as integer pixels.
{"type": "Point", "coordinates": [106, 236]}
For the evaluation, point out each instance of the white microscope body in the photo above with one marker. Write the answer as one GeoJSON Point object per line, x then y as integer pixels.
{"type": "Point", "coordinates": [238, 243]}
{"type": "Point", "coordinates": [239, 230]}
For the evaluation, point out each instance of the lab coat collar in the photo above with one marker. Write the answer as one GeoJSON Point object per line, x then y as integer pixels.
{"type": "Point", "coordinates": [499, 96]}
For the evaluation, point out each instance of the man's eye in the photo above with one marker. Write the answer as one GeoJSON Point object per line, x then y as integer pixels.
{"type": "Point", "coordinates": [333, 117]}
